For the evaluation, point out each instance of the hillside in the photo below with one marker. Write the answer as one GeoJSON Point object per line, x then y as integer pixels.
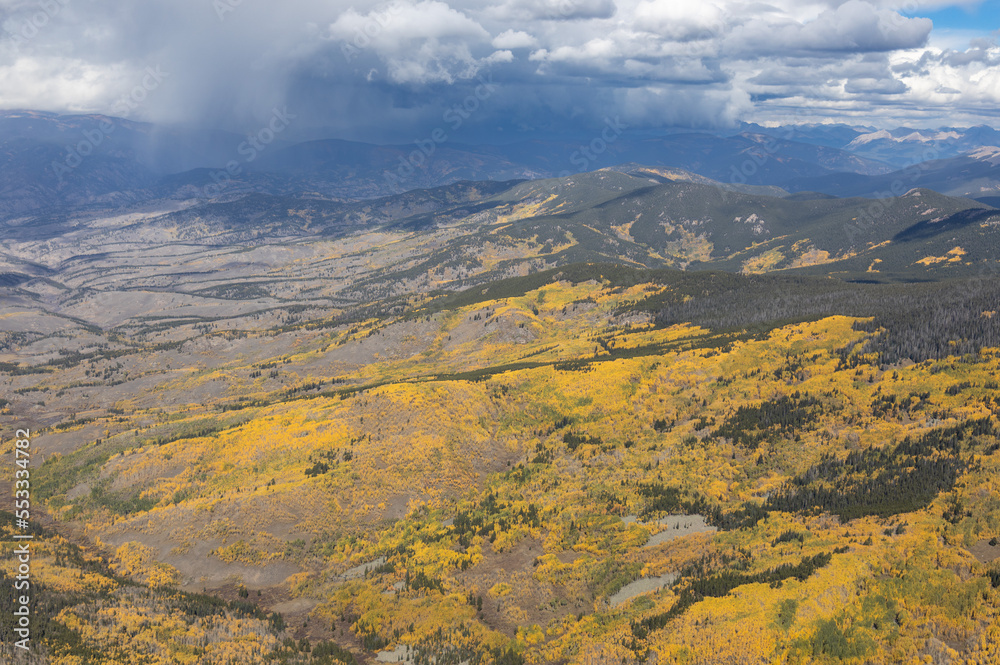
{"type": "Point", "coordinates": [424, 332]}
{"type": "Point", "coordinates": [610, 416]}
{"type": "Point", "coordinates": [51, 162]}
{"type": "Point", "coordinates": [975, 175]}
{"type": "Point", "coordinates": [315, 252]}
{"type": "Point", "coordinates": [584, 463]}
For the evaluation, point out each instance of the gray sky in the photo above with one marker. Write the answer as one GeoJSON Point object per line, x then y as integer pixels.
{"type": "Point", "coordinates": [395, 71]}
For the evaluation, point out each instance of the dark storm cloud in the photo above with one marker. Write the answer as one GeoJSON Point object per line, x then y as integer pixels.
{"type": "Point", "coordinates": [392, 71]}
{"type": "Point", "coordinates": [853, 27]}
{"type": "Point", "coordinates": [553, 10]}
{"type": "Point", "coordinates": [875, 86]}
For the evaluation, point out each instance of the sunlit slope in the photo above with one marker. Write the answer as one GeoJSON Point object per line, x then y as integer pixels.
{"type": "Point", "coordinates": [502, 457]}
{"type": "Point", "coordinates": [260, 261]}
{"type": "Point", "coordinates": [84, 611]}
{"type": "Point", "coordinates": [654, 220]}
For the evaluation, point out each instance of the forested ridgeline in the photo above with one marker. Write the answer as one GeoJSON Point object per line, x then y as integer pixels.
{"type": "Point", "coordinates": [919, 321]}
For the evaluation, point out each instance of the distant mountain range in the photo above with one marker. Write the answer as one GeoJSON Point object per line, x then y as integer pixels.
{"type": "Point", "coordinates": [475, 232]}
{"type": "Point", "coordinates": [686, 222]}
{"type": "Point", "coordinates": [900, 147]}
{"type": "Point", "coordinates": [50, 163]}
{"type": "Point", "coordinates": [973, 175]}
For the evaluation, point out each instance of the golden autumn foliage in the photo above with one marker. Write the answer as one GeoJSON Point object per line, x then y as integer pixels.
{"type": "Point", "coordinates": [488, 494]}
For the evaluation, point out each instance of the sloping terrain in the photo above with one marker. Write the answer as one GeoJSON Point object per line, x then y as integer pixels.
{"type": "Point", "coordinates": [478, 476]}
{"type": "Point", "coordinates": [614, 415]}
{"type": "Point", "coordinates": [277, 256]}
{"type": "Point", "coordinates": [51, 163]}
{"type": "Point", "coordinates": [974, 175]}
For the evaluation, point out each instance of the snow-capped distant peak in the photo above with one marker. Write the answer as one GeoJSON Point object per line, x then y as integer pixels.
{"type": "Point", "coordinates": [943, 136]}
{"type": "Point", "coordinates": [868, 138]}
{"type": "Point", "coordinates": [988, 153]}
{"type": "Point", "coordinates": [912, 137]}
{"type": "Point", "coordinates": [940, 136]}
